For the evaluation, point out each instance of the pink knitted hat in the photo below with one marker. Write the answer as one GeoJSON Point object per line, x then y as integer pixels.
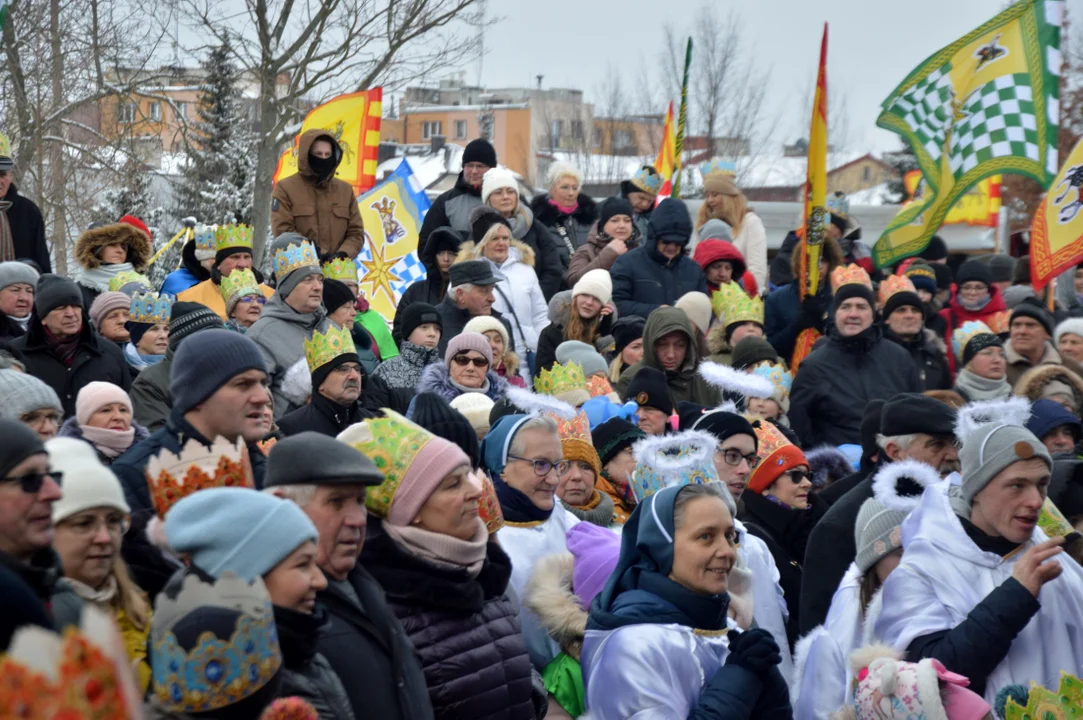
{"type": "Point", "coordinates": [596, 551]}
{"type": "Point", "coordinates": [430, 466]}
{"type": "Point", "coordinates": [96, 394]}
{"type": "Point", "coordinates": [106, 303]}
{"type": "Point", "coordinates": [468, 341]}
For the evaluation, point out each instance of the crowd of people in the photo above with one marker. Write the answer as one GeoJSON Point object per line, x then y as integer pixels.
{"type": "Point", "coordinates": [608, 461]}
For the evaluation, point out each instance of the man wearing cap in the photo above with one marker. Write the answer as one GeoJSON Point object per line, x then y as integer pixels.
{"type": "Point", "coordinates": [365, 645]}
{"type": "Point", "coordinates": [22, 228]}
{"type": "Point", "coordinates": [912, 427]}
{"type": "Point", "coordinates": [980, 587]}
{"type": "Point", "coordinates": [60, 347]}
{"type": "Point", "coordinates": [17, 282]}
{"type": "Point", "coordinates": [1030, 332]}
{"type": "Point", "coordinates": [233, 245]}
{"type": "Point", "coordinates": [452, 208]}
{"type": "Point", "coordinates": [641, 191]}
{"type": "Point", "coordinates": [337, 378]}
{"type": "Point", "coordinates": [904, 324]}
{"type": "Point", "coordinates": [648, 390]}
{"type": "Point", "coordinates": [219, 388]}
{"type": "Point", "coordinates": [469, 294]}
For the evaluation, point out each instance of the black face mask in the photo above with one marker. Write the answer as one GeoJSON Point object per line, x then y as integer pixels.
{"type": "Point", "coordinates": [322, 167]}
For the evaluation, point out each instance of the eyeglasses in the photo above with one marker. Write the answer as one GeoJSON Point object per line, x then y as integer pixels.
{"type": "Point", "coordinates": [88, 526]}
{"type": "Point", "coordinates": [734, 458]}
{"type": "Point", "coordinates": [799, 476]}
{"type": "Point", "coordinates": [543, 467]}
{"type": "Point", "coordinates": [464, 360]}
{"type": "Point", "coordinates": [253, 298]}
{"type": "Point", "coordinates": [31, 482]}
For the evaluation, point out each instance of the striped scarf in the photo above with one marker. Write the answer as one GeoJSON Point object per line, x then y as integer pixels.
{"type": "Point", "coordinates": [7, 242]}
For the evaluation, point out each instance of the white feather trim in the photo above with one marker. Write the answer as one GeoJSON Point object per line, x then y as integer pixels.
{"type": "Point", "coordinates": [534, 403]}
{"type": "Point", "coordinates": [885, 484]}
{"type": "Point", "coordinates": [654, 451]}
{"type": "Point", "coordinates": [745, 384]}
{"type": "Point", "coordinates": [1010, 411]}
{"type": "Point", "coordinates": [728, 406]}
{"type": "Point", "coordinates": [297, 383]}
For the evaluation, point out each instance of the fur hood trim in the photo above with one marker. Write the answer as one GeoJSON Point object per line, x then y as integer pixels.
{"type": "Point", "coordinates": [511, 363]}
{"type": "Point", "coordinates": [547, 215]}
{"type": "Point", "coordinates": [549, 595]}
{"type": "Point", "coordinates": [935, 340]}
{"type": "Point", "coordinates": [1031, 383]}
{"type": "Point", "coordinates": [297, 383]}
{"type": "Point", "coordinates": [469, 251]}
{"type": "Point", "coordinates": [828, 464]}
{"type": "Point", "coordinates": [539, 404]}
{"type": "Point", "coordinates": [1009, 411]}
{"type": "Point", "coordinates": [559, 307]}
{"type": "Point", "coordinates": [885, 485]}
{"type": "Point", "coordinates": [744, 384]}
{"type": "Point", "coordinates": [436, 378]}
{"type": "Point", "coordinates": [716, 341]}
{"type": "Point", "coordinates": [90, 241]}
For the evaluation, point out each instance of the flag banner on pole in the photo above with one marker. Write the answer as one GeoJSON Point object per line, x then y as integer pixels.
{"type": "Point", "coordinates": [985, 105]}
{"type": "Point", "coordinates": [665, 161]}
{"type": "Point", "coordinates": [388, 262]}
{"type": "Point", "coordinates": [682, 121]}
{"type": "Point", "coordinates": [978, 207]}
{"type": "Point", "coordinates": [3, 12]}
{"type": "Point", "coordinates": [1056, 236]}
{"type": "Point", "coordinates": [354, 121]}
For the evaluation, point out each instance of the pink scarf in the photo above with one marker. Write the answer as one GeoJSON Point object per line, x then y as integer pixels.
{"type": "Point", "coordinates": [562, 208]}
{"type": "Point", "coordinates": [443, 550]}
{"type": "Point", "coordinates": [109, 443]}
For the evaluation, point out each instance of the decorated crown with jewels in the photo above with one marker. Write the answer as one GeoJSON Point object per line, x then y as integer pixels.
{"type": "Point", "coordinates": [391, 442]}
{"type": "Point", "coordinates": [239, 283]}
{"type": "Point", "coordinates": [837, 204]}
{"type": "Point", "coordinates": [686, 458]}
{"type": "Point", "coordinates": [129, 277]}
{"type": "Point", "coordinates": [341, 269]}
{"type": "Point", "coordinates": [598, 385]}
{"type": "Point", "coordinates": [893, 284]}
{"type": "Point", "coordinates": [847, 274]}
{"type": "Point", "coordinates": [777, 375]}
{"type": "Point", "coordinates": [205, 240]}
{"type": "Point", "coordinates": [150, 308]}
{"type": "Point", "coordinates": [1043, 704]}
{"type": "Point", "coordinates": [295, 257]}
{"type": "Point", "coordinates": [732, 305]}
{"type": "Point", "coordinates": [173, 477]}
{"type": "Point", "coordinates": [561, 379]}
{"type": "Point", "coordinates": [716, 166]}
{"type": "Point", "coordinates": [233, 236]}
{"type": "Point", "coordinates": [322, 348]}
{"type": "Point", "coordinates": [577, 428]}
{"type": "Point", "coordinates": [648, 180]}
{"type": "Point", "coordinates": [966, 332]}
{"type": "Point", "coordinates": [229, 660]}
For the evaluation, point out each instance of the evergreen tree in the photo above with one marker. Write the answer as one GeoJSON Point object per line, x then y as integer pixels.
{"type": "Point", "coordinates": [901, 162]}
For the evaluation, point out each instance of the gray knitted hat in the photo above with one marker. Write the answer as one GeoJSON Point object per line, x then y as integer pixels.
{"type": "Point", "coordinates": [206, 362]}
{"type": "Point", "coordinates": [897, 489]}
{"type": "Point", "coordinates": [993, 447]}
{"type": "Point", "coordinates": [290, 463]}
{"type": "Point", "coordinates": [583, 355]}
{"type": "Point", "coordinates": [24, 393]}
{"type": "Point", "coordinates": [17, 272]}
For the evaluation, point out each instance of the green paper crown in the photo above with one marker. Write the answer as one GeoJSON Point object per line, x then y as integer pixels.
{"type": "Point", "coordinates": [239, 283]}
{"type": "Point", "coordinates": [150, 308]}
{"type": "Point", "coordinates": [325, 347]}
{"type": "Point", "coordinates": [560, 379]}
{"type": "Point", "coordinates": [5, 146]}
{"type": "Point", "coordinates": [341, 269]}
{"type": "Point", "coordinates": [1064, 704]}
{"type": "Point", "coordinates": [233, 236]}
{"type": "Point", "coordinates": [391, 443]}
{"type": "Point", "coordinates": [732, 305]}
{"type": "Point", "coordinates": [129, 277]}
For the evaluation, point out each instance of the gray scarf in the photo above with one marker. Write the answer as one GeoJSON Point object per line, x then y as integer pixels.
{"type": "Point", "coordinates": [975, 387]}
{"type": "Point", "coordinates": [521, 221]}
{"type": "Point", "coordinates": [600, 515]}
{"type": "Point", "coordinates": [484, 389]}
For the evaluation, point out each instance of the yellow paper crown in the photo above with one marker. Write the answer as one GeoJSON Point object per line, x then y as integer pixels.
{"type": "Point", "coordinates": [732, 305]}
{"type": "Point", "coordinates": [560, 379]}
{"type": "Point", "coordinates": [233, 236]}
{"type": "Point", "coordinates": [128, 277]}
{"type": "Point", "coordinates": [341, 269]}
{"type": "Point", "coordinates": [893, 284]}
{"type": "Point", "coordinates": [847, 274]}
{"type": "Point", "coordinates": [5, 146]}
{"type": "Point", "coordinates": [1044, 704]}
{"type": "Point", "coordinates": [239, 283]}
{"type": "Point", "coordinates": [325, 347]}
{"type": "Point", "coordinates": [173, 477]}
{"type": "Point", "coordinates": [295, 257]}
{"type": "Point", "coordinates": [150, 308]}
{"type": "Point", "coordinates": [391, 443]}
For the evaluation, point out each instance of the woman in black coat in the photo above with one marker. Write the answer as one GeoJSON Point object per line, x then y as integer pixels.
{"type": "Point", "coordinates": [566, 212]}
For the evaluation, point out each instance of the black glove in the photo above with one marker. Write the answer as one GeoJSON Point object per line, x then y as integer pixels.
{"type": "Point", "coordinates": [754, 650]}
{"type": "Point", "coordinates": [812, 313]}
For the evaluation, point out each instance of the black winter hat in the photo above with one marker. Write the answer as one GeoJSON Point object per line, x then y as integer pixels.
{"type": "Point", "coordinates": [433, 413]}
{"type": "Point", "coordinates": [626, 331]}
{"type": "Point", "coordinates": [444, 238]}
{"type": "Point", "coordinates": [973, 271]}
{"type": "Point", "coordinates": [336, 294]}
{"type": "Point", "coordinates": [670, 221]}
{"type": "Point", "coordinates": [870, 426]}
{"type": "Point", "coordinates": [613, 206]}
{"type": "Point", "coordinates": [614, 435]}
{"type": "Point", "coordinates": [290, 462]}
{"type": "Point", "coordinates": [752, 350]}
{"type": "Point", "coordinates": [909, 413]}
{"type": "Point", "coordinates": [502, 407]}
{"type": "Point", "coordinates": [416, 314]}
{"type": "Point", "coordinates": [55, 291]}
{"type": "Point", "coordinates": [1001, 267]}
{"type": "Point", "coordinates": [937, 249]}
{"type": "Point", "coordinates": [20, 442]}
{"type": "Point", "coordinates": [900, 299]}
{"type": "Point", "coordinates": [649, 389]}
{"type": "Point", "coordinates": [186, 318]}
{"type": "Point", "coordinates": [482, 218]}
{"type": "Point", "coordinates": [850, 291]}
{"type": "Point", "coordinates": [480, 150]}
{"type": "Point", "coordinates": [1032, 308]}
{"type": "Point", "coordinates": [723, 425]}
{"type": "Point", "coordinates": [943, 276]}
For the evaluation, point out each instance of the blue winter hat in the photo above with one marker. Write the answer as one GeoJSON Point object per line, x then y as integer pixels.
{"type": "Point", "coordinates": [497, 442]}
{"type": "Point", "coordinates": [240, 530]}
{"type": "Point", "coordinates": [1047, 415]}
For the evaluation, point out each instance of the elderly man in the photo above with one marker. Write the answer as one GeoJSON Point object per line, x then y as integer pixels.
{"type": "Point", "coordinates": [469, 294]}
{"type": "Point", "coordinates": [1030, 332]}
{"type": "Point", "coordinates": [852, 366]}
{"type": "Point", "coordinates": [912, 427]}
{"type": "Point", "coordinates": [336, 387]}
{"type": "Point", "coordinates": [17, 282]}
{"type": "Point", "coordinates": [670, 345]}
{"type": "Point", "coordinates": [453, 208]}
{"type": "Point", "coordinates": [219, 388]}
{"type": "Point", "coordinates": [978, 587]}
{"type": "Point", "coordinates": [365, 645]}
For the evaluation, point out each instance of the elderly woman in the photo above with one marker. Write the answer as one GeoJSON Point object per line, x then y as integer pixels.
{"type": "Point", "coordinates": [505, 362]}
{"type": "Point", "coordinates": [580, 487]}
{"type": "Point", "coordinates": [243, 297]}
{"type": "Point", "coordinates": [659, 641]}
{"type": "Point", "coordinates": [723, 200]}
{"type": "Point", "coordinates": [256, 535]}
{"type": "Point", "coordinates": [106, 251]}
{"type": "Point", "coordinates": [31, 402]}
{"type": "Point", "coordinates": [1069, 338]}
{"type": "Point", "coordinates": [148, 330]}
{"type": "Point", "coordinates": [587, 316]}
{"type": "Point", "coordinates": [568, 213]}
{"type": "Point", "coordinates": [523, 456]}
{"type": "Point", "coordinates": [103, 419]}
{"type": "Point", "coordinates": [517, 292]}
{"type": "Point", "coordinates": [614, 234]}
{"type": "Point", "coordinates": [467, 367]}
{"type": "Point", "coordinates": [91, 519]}
{"type": "Point", "coordinates": [980, 354]}
{"type": "Point", "coordinates": [429, 550]}
{"type": "Point", "coordinates": [109, 316]}
{"type": "Point", "coordinates": [1052, 382]}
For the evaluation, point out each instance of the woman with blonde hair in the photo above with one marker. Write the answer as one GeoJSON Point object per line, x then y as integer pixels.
{"type": "Point", "coordinates": [723, 200]}
{"type": "Point", "coordinates": [568, 213]}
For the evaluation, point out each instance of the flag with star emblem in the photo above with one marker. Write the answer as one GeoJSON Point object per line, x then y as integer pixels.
{"type": "Point", "coordinates": [388, 263]}
{"type": "Point", "coordinates": [984, 105]}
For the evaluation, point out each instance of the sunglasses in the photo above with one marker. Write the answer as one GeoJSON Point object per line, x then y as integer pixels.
{"type": "Point", "coordinates": [253, 298]}
{"type": "Point", "coordinates": [464, 360]}
{"type": "Point", "coordinates": [31, 482]}
{"type": "Point", "coordinates": [799, 476]}
{"type": "Point", "coordinates": [734, 458]}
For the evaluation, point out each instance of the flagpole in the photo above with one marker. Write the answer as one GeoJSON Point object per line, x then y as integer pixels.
{"type": "Point", "coordinates": [682, 118]}
{"type": "Point", "coordinates": [816, 182]}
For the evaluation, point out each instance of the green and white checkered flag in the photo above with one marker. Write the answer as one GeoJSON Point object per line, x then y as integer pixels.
{"type": "Point", "coordinates": [984, 105]}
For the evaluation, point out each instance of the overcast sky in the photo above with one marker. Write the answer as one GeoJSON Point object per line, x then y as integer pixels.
{"type": "Point", "coordinates": [872, 46]}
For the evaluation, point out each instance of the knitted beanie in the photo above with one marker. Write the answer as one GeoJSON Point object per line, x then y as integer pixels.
{"type": "Point", "coordinates": [577, 449]}
{"type": "Point", "coordinates": [87, 482]}
{"type": "Point", "coordinates": [596, 283]}
{"type": "Point", "coordinates": [715, 229]}
{"type": "Point", "coordinates": [496, 178]}
{"type": "Point", "coordinates": [612, 436]}
{"type": "Point", "coordinates": [944, 277]}
{"type": "Point", "coordinates": [466, 341]}
{"type": "Point", "coordinates": [238, 530]}
{"type": "Point", "coordinates": [850, 291]}
{"type": "Point", "coordinates": [877, 533]}
{"type": "Point", "coordinates": [752, 350]}
{"type": "Point", "coordinates": [96, 395]}
{"type": "Point", "coordinates": [937, 249]}
{"type": "Point", "coordinates": [923, 277]}
{"type": "Point", "coordinates": [1001, 267]}
{"type": "Point", "coordinates": [475, 407]}
{"type": "Point", "coordinates": [13, 271]}
{"type": "Point", "coordinates": [990, 449]}
{"type": "Point", "coordinates": [20, 442]}
{"type": "Point", "coordinates": [697, 306]}
{"type": "Point", "coordinates": [206, 362]}
{"type": "Point", "coordinates": [626, 331]}
{"type": "Point", "coordinates": [1033, 309]}
{"type": "Point", "coordinates": [55, 291]}
{"type": "Point", "coordinates": [25, 393]}
{"type": "Point", "coordinates": [900, 299]}
{"type": "Point", "coordinates": [336, 294]}
{"type": "Point", "coordinates": [190, 317]}
{"type": "Point", "coordinates": [649, 388]}
{"type": "Point", "coordinates": [595, 550]}
{"type": "Point", "coordinates": [612, 207]}
{"type": "Point", "coordinates": [420, 313]}
{"type": "Point", "coordinates": [450, 422]}
{"type": "Point", "coordinates": [582, 354]}
{"type": "Point", "coordinates": [480, 151]}
{"type": "Point", "coordinates": [1071, 326]}
{"type": "Point", "coordinates": [106, 303]}
{"type": "Point", "coordinates": [482, 324]}
{"type": "Point", "coordinates": [973, 271]}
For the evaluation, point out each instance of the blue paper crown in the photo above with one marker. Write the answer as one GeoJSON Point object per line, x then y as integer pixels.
{"type": "Point", "coordinates": [150, 308]}
{"type": "Point", "coordinates": [294, 258]}
{"type": "Point", "coordinates": [204, 235]}
{"type": "Point", "coordinates": [715, 166]}
{"type": "Point", "coordinates": [648, 180]}
{"type": "Point", "coordinates": [837, 204]}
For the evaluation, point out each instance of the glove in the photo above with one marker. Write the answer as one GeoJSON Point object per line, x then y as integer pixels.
{"type": "Point", "coordinates": [754, 650]}
{"type": "Point", "coordinates": [812, 313]}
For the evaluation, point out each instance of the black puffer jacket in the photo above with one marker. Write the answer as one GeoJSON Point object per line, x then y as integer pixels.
{"type": "Point", "coordinates": [305, 673]}
{"type": "Point", "coordinates": [452, 209]}
{"type": "Point", "coordinates": [27, 229]}
{"type": "Point", "coordinates": [644, 279]}
{"type": "Point", "coordinates": [929, 355]}
{"type": "Point", "coordinates": [839, 377]}
{"type": "Point", "coordinates": [569, 231]}
{"type": "Point", "coordinates": [466, 630]}
{"type": "Point", "coordinates": [433, 287]}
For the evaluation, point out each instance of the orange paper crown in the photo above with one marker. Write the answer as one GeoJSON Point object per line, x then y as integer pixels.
{"type": "Point", "coordinates": [776, 455]}
{"type": "Point", "coordinates": [598, 385]}
{"type": "Point", "coordinates": [489, 506]}
{"type": "Point", "coordinates": [893, 284]}
{"type": "Point", "coordinates": [173, 477]}
{"type": "Point", "coordinates": [846, 274]}
{"type": "Point", "coordinates": [577, 428]}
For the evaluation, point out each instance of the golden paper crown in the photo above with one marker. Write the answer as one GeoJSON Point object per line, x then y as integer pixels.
{"type": "Point", "coordinates": [322, 348]}
{"type": "Point", "coordinates": [732, 305]}
{"type": "Point", "coordinates": [341, 269]}
{"type": "Point", "coordinates": [598, 385]}
{"type": "Point", "coordinates": [233, 236]}
{"type": "Point", "coordinates": [173, 477]}
{"type": "Point", "coordinates": [578, 428]}
{"type": "Point", "coordinates": [295, 257]}
{"type": "Point", "coordinates": [1044, 704]}
{"type": "Point", "coordinates": [127, 277]}
{"type": "Point", "coordinates": [846, 274]}
{"type": "Point", "coordinates": [83, 674]}
{"type": "Point", "coordinates": [217, 671]}
{"type": "Point", "coordinates": [391, 443]}
{"type": "Point", "coordinates": [150, 308]}
{"type": "Point", "coordinates": [893, 284]}
{"type": "Point", "coordinates": [5, 146]}
{"type": "Point", "coordinates": [560, 379]}
{"type": "Point", "coordinates": [489, 509]}
{"type": "Point", "coordinates": [239, 283]}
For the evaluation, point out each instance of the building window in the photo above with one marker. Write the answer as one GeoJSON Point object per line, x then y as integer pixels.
{"type": "Point", "coordinates": [597, 138]}
{"type": "Point", "coordinates": [182, 111]}
{"type": "Point", "coordinates": [577, 129]}
{"type": "Point", "coordinates": [429, 129]}
{"type": "Point", "coordinates": [557, 130]}
{"type": "Point", "coordinates": [460, 129]}
{"type": "Point", "coordinates": [155, 111]}
{"type": "Point", "coordinates": [866, 173]}
{"type": "Point", "coordinates": [126, 112]}
{"type": "Point", "coordinates": [622, 139]}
